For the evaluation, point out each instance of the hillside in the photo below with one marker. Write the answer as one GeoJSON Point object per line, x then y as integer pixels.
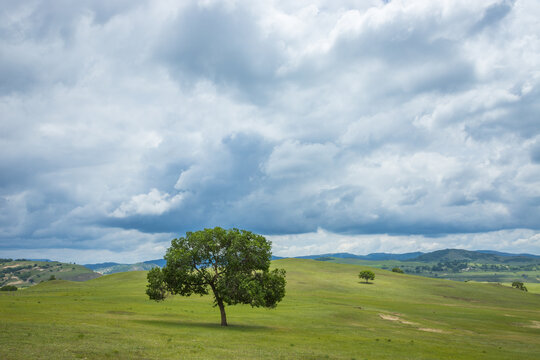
{"type": "Point", "coordinates": [113, 268]}
{"type": "Point", "coordinates": [327, 313]}
{"type": "Point", "coordinates": [474, 256]}
{"type": "Point", "coordinates": [23, 273]}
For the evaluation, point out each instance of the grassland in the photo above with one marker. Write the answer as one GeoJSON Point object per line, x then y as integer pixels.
{"type": "Point", "coordinates": [327, 314]}
{"type": "Point", "coordinates": [529, 272]}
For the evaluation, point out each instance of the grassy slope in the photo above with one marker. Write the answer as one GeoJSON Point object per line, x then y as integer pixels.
{"type": "Point", "coordinates": [327, 313]}
{"type": "Point", "coordinates": [476, 275]}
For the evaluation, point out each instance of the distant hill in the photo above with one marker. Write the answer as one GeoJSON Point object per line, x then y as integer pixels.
{"type": "Point", "coordinates": [44, 260]}
{"type": "Point", "coordinates": [483, 256]}
{"type": "Point", "coordinates": [466, 255]}
{"type": "Point", "coordinates": [507, 254]}
{"type": "Point", "coordinates": [24, 273]}
{"type": "Point", "coordinates": [159, 262]}
{"type": "Point", "coordinates": [101, 265]}
{"type": "Point", "coordinates": [387, 256]}
{"type": "Point", "coordinates": [113, 268]}
{"type": "Point", "coordinates": [335, 255]}
{"type": "Point", "coordinates": [372, 256]}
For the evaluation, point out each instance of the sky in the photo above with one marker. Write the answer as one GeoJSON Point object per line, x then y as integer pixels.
{"type": "Point", "coordinates": [327, 126]}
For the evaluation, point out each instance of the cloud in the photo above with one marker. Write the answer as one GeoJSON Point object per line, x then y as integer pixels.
{"type": "Point", "coordinates": [125, 124]}
{"type": "Point", "coordinates": [321, 242]}
{"type": "Point", "coordinates": [153, 203]}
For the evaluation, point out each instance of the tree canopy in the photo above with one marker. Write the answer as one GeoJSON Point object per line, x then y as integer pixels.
{"type": "Point", "coordinates": [519, 285]}
{"type": "Point", "coordinates": [233, 264]}
{"type": "Point", "coordinates": [367, 275]}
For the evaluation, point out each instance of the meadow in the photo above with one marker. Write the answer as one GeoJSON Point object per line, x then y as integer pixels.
{"type": "Point", "coordinates": [525, 272]}
{"type": "Point", "coordinates": [327, 313]}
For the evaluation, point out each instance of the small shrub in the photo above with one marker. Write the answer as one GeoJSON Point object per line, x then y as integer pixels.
{"type": "Point", "coordinates": [52, 278]}
{"type": "Point", "coordinates": [397, 270]}
{"type": "Point", "coordinates": [8, 288]}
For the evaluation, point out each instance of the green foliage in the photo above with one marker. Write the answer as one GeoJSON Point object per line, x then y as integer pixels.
{"type": "Point", "coordinates": [397, 270]}
{"type": "Point", "coordinates": [366, 275]}
{"type": "Point", "coordinates": [8, 288]}
{"type": "Point", "coordinates": [156, 288]}
{"type": "Point", "coordinates": [52, 277]}
{"type": "Point", "coordinates": [233, 264]}
{"type": "Point", "coordinates": [519, 285]}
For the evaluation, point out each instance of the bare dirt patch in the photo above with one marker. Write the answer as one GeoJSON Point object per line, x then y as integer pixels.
{"type": "Point", "coordinates": [389, 317]}
{"type": "Point", "coordinates": [10, 266]}
{"type": "Point", "coordinates": [432, 330]}
{"type": "Point", "coordinates": [400, 320]}
{"type": "Point", "coordinates": [535, 324]}
{"type": "Point", "coordinates": [396, 318]}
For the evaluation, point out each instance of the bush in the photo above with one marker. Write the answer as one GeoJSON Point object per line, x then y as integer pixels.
{"type": "Point", "coordinates": [8, 288]}
{"type": "Point", "coordinates": [366, 275]}
{"type": "Point", "coordinates": [24, 276]}
{"type": "Point", "coordinates": [519, 285]}
{"type": "Point", "coordinates": [397, 270]}
{"type": "Point", "coordinates": [52, 278]}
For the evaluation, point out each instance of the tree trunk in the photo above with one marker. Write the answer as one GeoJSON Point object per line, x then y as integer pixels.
{"type": "Point", "coordinates": [223, 315]}
{"type": "Point", "coordinates": [220, 304]}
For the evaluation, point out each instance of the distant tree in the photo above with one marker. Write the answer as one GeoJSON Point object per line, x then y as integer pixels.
{"type": "Point", "coordinates": [8, 288]}
{"type": "Point", "coordinates": [519, 285]}
{"type": "Point", "coordinates": [52, 277]}
{"type": "Point", "coordinates": [234, 264]}
{"type": "Point", "coordinates": [397, 270]}
{"type": "Point", "coordinates": [366, 275]}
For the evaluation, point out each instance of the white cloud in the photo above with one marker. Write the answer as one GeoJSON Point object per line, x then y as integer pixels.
{"type": "Point", "coordinates": [324, 242]}
{"type": "Point", "coordinates": [153, 203]}
{"type": "Point", "coordinates": [417, 118]}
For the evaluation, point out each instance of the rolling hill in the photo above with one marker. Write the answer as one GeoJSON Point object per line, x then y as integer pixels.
{"type": "Point", "coordinates": [24, 273]}
{"type": "Point", "coordinates": [113, 268]}
{"type": "Point", "coordinates": [327, 313]}
{"type": "Point", "coordinates": [372, 256]}
{"type": "Point", "coordinates": [475, 256]}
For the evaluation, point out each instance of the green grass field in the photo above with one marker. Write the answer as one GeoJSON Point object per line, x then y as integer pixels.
{"type": "Point", "coordinates": [327, 313]}
{"type": "Point", "coordinates": [529, 276]}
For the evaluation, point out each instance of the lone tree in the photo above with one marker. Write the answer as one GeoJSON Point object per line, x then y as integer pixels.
{"type": "Point", "coordinates": [519, 285]}
{"type": "Point", "coordinates": [234, 264]}
{"type": "Point", "coordinates": [367, 275]}
{"type": "Point", "coordinates": [397, 270]}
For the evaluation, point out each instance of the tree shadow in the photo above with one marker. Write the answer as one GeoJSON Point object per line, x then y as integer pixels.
{"type": "Point", "coordinates": [203, 325]}
{"type": "Point", "coordinates": [365, 283]}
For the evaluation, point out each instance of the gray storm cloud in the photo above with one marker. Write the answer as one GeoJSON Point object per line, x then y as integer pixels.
{"type": "Point", "coordinates": [399, 125]}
